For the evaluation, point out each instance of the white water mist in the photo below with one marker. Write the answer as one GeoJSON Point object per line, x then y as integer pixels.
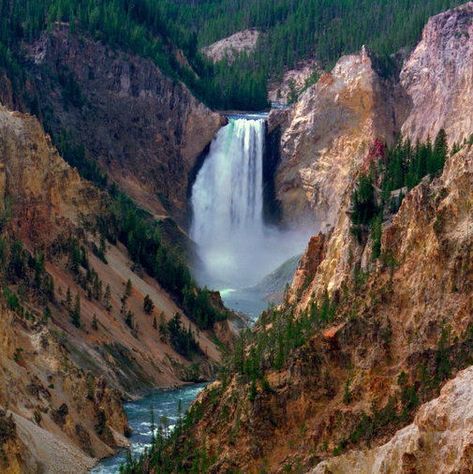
{"type": "Point", "coordinates": [235, 246]}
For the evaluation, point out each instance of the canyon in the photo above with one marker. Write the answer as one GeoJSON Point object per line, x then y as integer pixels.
{"type": "Point", "coordinates": [65, 384]}
{"type": "Point", "coordinates": [376, 375]}
{"type": "Point", "coordinates": [141, 128]}
{"type": "Point", "coordinates": [114, 177]}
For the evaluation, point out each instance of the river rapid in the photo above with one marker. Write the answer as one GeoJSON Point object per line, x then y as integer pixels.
{"type": "Point", "coordinates": [164, 403]}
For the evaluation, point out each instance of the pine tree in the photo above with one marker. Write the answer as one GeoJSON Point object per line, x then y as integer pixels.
{"type": "Point", "coordinates": [68, 300]}
{"type": "Point", "coordinates": [97, 287]}
{"type": "Point", "coordinates": [46, 313]}
{"type": "Point", "coordinates": [38, 269]}
{"type": "Point", "coordinates": [102, 247]}
{"type": "Point", "coordinates": [75, 257]}
{"type": "Point", "coordinates": [95, 325]}
{"type": "Point", "coordinates": [75, 313]}
{"type": "Point", "coordinates": [129, 319]}
{"type": "Point", "coordinates": [148, 305]}
{"type": "Point", "coordinates": [49, 287]}
{"type": "Point", "coordinates": [440, 152]}
{"type": "Point", "coordinates": [127, 292]}
{"type": "Point", "coordinates": [128, 288]}
{"type": "Point", "coordinates": [293, 94]}
{"type": "Point", "coordinates": [123, 310]}
{"type": "Point", "coordinates": [107, 299]}
{"type": "Point", "coordinates": [163, 328]}
{"type": "Point", "coordinates": [152, 424]}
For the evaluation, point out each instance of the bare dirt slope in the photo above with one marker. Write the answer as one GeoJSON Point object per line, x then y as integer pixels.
{"type": "Point", "coordinates": [65, 380]}
{"type": "Point", "coordinates": [227, 48]}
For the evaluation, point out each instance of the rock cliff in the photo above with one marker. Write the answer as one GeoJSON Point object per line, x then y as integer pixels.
{"type": "Point", "coordinates": [331, 126]}
{"type": "Point", "coordinates": [438, 78]}
{"type": "Point", "coordinates": [399, 331]}
{"type": "Point", "coordinates": [351, 373]}
{"type": "Point", "coordinates": [293, 82]}
{"type": "Point", "coordinates": [329, 132]}
{"type": "Point", "coordinates": [438, 36]}
{"type": "Point", "coordinates": [63, 379]}
{"type": "Point", "coordinates": [439, 439]}
{"type": "Point", "coordinates": [42, 193]}
{"type": "Point", "coordinates": [144, 129]}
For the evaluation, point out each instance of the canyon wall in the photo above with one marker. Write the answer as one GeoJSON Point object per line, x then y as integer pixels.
{"type": "Point", "coordinates": [366, 366]}
{"type": "Point", "coordinates": [43, 191]}
{"type": "Point", "coordinates": [430, 241]}
{"type": "Point", "coordinates": [328, 135]}
{"type": "Point", "coordinates": [328, 131]}
{"type": "Point", "coordinates": [438, 78]}
{"type": "Point", "coordinates": [359, 379]}
{"type": "Point", "coordinates": [452, 87]}
{"type": "Point", "coordinates": [64, 380]}
{"type": "Point", "coordinates": [143, 128]}
{"type": "Point", "coordinates": [439, 439]}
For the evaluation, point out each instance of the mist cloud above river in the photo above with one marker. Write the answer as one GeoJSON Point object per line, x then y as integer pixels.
{"type": "Point", "coordinates": [245, 259]}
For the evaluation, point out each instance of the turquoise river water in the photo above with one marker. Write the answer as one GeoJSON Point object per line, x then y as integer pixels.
{"type": "Point", "coordinates": [163, 403]}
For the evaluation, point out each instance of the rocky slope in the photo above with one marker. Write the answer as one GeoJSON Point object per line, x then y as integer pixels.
{"type": "Point", "coordinates": [56, 407]}
{"type": "Point", "coordinates": [438, 77]}
{"type": "Point", "coordinates": [293, 82]}
{"type": "Point", "coordinates": [143, 128]}
{"type": "Point", "coordinates": [64, 381]}
{"type": "Point", "coordinates": [227, 48]}
{"type": "Point", "coordinates": [328, 134]}
{"type": "Point", "coordinates": [273, 286]}
{"type": "Point", "coordinates": [44, 193]}
{"type": "Point", "coordinates": [439, 439]}
{"type": "Point", "coordinates": [337, 262]}
{"type": "Point", "coordinates": [325, 135]}
{"type": "Point", "coordinates": [379, 347]}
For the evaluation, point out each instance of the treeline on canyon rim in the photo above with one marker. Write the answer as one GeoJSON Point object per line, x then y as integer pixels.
{"type": "Point", "coordinates": [292, 31]}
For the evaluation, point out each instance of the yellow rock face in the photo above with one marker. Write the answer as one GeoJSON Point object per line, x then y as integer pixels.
{"type": "Point", "coordinates": [58, 381]}
{"type": "Point", "coordinates": [43, 191]}
{"type": "Point", "coordinates": [439, 440]}
{"type": "Point", "coordinates": [329, 134]}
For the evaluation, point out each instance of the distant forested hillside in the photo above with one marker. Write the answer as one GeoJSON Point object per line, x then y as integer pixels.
{"type": "Point", "coordinates": [294, 30]}
{"type": "Point", "coordinates": [299, 29]}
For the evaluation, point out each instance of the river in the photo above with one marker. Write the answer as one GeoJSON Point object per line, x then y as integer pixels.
{"type": "Point", "coordinates": [236, 248]}
{"type": "Point", "coordinates": [164, 403]}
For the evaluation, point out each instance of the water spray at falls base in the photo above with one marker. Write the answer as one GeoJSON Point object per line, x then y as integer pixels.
{"type": "Point", "coordinates": [236, 247]}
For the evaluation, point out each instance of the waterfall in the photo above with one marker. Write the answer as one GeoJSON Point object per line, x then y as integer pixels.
{"type": "Point", "coordinates": [234, 245]}
{"type": "Point", "coordinates": [227, 197]}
